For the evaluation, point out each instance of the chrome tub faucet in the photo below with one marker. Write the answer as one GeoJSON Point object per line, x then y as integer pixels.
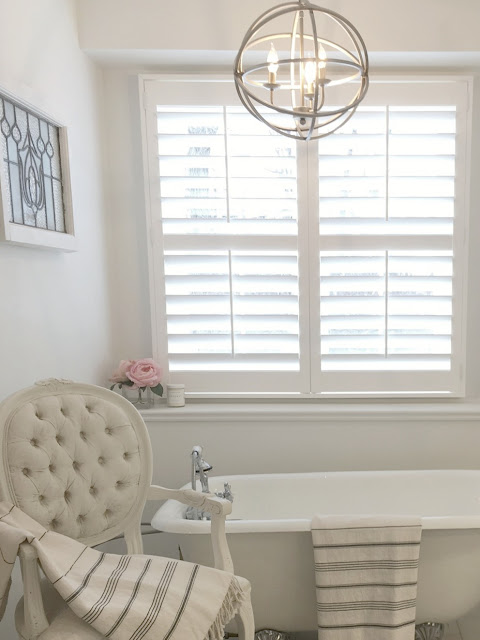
{"type": "Point", "coordinates": [200, 469]}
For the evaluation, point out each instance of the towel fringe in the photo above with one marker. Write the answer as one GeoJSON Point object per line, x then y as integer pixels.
{"type": "Point", "coordinates": [233, 600]}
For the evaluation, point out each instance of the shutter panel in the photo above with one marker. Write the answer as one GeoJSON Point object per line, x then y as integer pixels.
{"type": "Point", "coordinates": [387, 191]}
{"type": "Point", "coordinates": [229, 216]}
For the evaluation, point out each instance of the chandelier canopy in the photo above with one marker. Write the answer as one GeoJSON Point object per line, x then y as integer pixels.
{"type": "Point", "coordinates": [302, 70]}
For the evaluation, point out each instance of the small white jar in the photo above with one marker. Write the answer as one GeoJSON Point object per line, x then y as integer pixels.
{"type": "Point", "coordinates": [175, 395]}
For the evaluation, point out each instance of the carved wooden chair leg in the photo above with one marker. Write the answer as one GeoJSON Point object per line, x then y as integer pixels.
{"type": "Point", "coordinates": [35, 619]}
{"type": "Point", "coordinates": [245, 622]}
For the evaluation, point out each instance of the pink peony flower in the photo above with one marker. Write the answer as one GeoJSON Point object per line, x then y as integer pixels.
{"type": "Point", "coordinates": [120, 373]}
{"type": "Point", "coordinates": [144, 373]}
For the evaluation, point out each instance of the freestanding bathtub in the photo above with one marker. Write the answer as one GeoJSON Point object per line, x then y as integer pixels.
{"type": "Point", "coordinates": [270, 540]}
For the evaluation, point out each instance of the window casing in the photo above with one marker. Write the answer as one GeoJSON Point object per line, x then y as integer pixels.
{"type": "Point", "coordinates": [334, 267]}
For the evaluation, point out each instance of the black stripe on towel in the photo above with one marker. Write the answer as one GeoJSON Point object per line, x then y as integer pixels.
{"type": "Point", "coordinates": [108, 591]}
{"type": "Point", "coordinates": [72, 565]}
{"type": "Point", "coordinates": [366, 544]}
{"type": "Point", "coordinates": [355, 626]}
{"type": "Point", "coordinates": [367, 604]}
{"type": "Point", "coordinates": [366, 565]}
{"type": "Point", "coordinates": [4, 559]}
{"type": "Point", "coordinates": [6, 514]}
{"type": "Point", "coordinates": [184, 602]}
{"type": "Point", "coordinates": [393, 585]}
{"type": "Point", "coordinates": [157, 602]}
{"type": "Point", "coordinates": [388, 526]}
{"type": "Point", "coordinates": [131, 599]}
{"type": "Point", "coordinates": [85, 580]}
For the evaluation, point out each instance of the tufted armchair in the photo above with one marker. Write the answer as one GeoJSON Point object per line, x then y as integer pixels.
{"type": "Point", "coordinates": [77, 458]}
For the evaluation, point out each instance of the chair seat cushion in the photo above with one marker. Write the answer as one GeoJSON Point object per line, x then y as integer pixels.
{"type": "Point", "coordinates": [64, 624]}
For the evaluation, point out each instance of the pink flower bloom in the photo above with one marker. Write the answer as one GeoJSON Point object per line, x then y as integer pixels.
{"type": "Point", "coordinates": [120, 373]}
{"type": "Point", "coordinates": [145, 373]}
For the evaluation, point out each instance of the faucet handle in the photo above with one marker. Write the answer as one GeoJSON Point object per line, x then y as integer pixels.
{"type": "Point", "coordinates": [226, 494]}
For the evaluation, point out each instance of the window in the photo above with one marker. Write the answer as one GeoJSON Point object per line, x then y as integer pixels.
{"type": "Point", "coordinates": [323, 268]}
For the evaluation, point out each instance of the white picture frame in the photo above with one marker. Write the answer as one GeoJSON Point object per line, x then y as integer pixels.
{"type": "Point", "coordinates": [23, 179]}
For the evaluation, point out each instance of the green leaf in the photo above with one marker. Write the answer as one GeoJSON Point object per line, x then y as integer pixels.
{"type": "Point", "coordinates": [127, 383]}
{"type": "Point", "coordinates": [113, 387]}
{"type": "Point", "coordinates": [158, 390]}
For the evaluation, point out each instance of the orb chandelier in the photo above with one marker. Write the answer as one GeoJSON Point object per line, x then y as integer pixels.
{"type": "Point", "coordinates": [302, 70]}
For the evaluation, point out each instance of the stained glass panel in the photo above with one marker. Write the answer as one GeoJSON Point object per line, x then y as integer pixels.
{"type": "Point", "coordinates": [31, 167]}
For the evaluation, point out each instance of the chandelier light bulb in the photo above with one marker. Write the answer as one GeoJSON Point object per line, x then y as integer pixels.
{"type": "Point", "coordinates": [310, 74]}
{"type": "Point", "coordinates": [272, 59]}
{"type": "Point", "coordinates": [293, 86]}
{"type": "Point", "coordinates": [322, 54]}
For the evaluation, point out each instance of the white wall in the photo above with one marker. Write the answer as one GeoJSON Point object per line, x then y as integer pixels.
{"type": "Point", "coordinates": [54, 306]}
{"type": "Point", "coordinates": [219, 25]}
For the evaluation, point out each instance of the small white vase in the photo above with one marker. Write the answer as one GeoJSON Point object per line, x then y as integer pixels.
{"type": "Point", "coordinates": [140, 398]}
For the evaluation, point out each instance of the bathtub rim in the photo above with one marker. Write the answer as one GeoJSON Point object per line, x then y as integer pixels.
{"type": "Point", "coordinates": [169, 518]}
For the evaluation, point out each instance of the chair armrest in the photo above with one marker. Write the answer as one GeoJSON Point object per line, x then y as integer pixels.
{"type": "Point", "coordinates": [35, 619]}
{"type": "Point", "coordinates": [204, 501]}
{"type": "Point", "coordinates": [217, 507]}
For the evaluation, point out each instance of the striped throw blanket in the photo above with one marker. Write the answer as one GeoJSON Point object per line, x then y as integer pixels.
{"type": "Point", "coordinates": [366, 576]}
{"type": "Point", "coordinates": [124, 597]}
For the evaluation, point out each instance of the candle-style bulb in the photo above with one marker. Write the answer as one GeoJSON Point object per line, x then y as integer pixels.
{"type": "Point", "coordinates": [310, 72]}
{"type": "Point", "coordinates": [322, 57]}
{"type": "Point", "coordinates": [272, 59]}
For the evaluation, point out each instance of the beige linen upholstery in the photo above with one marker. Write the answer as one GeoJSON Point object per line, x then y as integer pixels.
{"type": "Point", "coordinates": [77, 458]}
{"type": "Point", "coordinates": [73, 462]}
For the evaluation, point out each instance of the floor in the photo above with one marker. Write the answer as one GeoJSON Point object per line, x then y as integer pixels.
{"type": "Point", "coordinates": [469, 626]}
{"type": "Point", "coordinates": [453, 632]}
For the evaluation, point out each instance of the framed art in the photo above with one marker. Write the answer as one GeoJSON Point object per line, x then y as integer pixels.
{"type": "Point", "coordinates": [35, 193]}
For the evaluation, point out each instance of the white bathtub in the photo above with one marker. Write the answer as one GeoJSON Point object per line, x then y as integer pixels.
{"type": "Point", "coordinates": [270, 540]}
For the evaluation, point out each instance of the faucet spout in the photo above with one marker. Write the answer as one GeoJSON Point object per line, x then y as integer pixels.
{"type": "Point", "coordinates": [200, 467]}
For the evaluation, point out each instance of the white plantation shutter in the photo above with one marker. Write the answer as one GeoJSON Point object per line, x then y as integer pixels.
{"type": "Point", "coordinates": [227, 197]}
{"type": "Point", "coordinates": [388, 211]}
{"type": "Point", "coordinates": [333, 267]}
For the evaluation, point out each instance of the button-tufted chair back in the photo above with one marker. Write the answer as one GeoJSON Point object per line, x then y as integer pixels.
{"type": "Point", "coordinates": [76, 458]}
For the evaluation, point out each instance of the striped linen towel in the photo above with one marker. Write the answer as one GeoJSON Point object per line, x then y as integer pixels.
{"type": "Point", "coordinates": [366, 576]}
{"type": "Point", "coordinates": [125, 597]}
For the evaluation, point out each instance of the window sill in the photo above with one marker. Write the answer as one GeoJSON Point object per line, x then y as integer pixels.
{"type": "Point", "coordinates": [288, 411]}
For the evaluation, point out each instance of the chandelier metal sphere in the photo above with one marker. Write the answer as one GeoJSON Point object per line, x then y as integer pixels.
{"type": "Point", "coordinates": [302, 70]}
